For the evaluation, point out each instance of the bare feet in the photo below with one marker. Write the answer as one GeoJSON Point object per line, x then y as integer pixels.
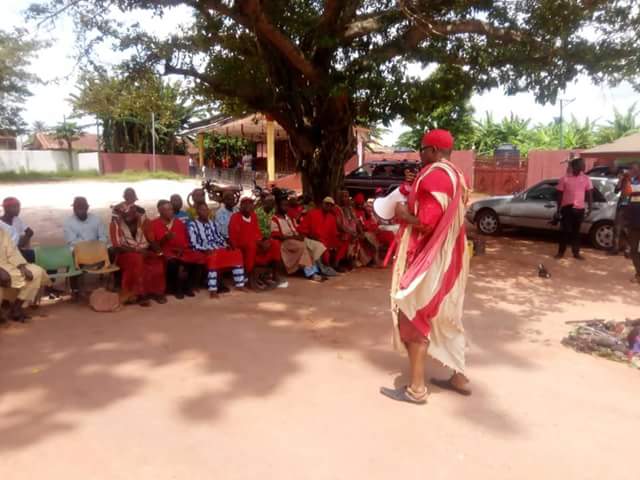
{"type": "Point", "coordinates": [214, 295]}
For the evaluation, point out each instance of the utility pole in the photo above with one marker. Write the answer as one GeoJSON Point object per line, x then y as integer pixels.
{"type": "Point", "coordinates": [563, 102]}
{"type": "Point", "coordinates": [153, 142]}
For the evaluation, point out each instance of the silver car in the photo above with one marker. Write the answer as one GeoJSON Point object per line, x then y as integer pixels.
{"type": "Point", "coordinates": [535, 208]}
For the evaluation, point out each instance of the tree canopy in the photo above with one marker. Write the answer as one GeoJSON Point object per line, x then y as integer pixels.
{"type": "Point", "coordinates": [16, 52]}
{"type": "Point", "coordinates": [124, 103]}
{"type": "Point", "coordinates": [318, 67]}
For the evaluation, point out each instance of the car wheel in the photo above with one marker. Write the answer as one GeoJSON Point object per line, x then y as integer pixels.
{"type": "Point", "coordinates": [601, 235]}
{"type": "Point", "coordinates": [488, 222]}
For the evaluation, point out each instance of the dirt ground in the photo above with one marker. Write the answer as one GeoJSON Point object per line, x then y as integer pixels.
{"type": "Point", "coordinates": [285, 384]}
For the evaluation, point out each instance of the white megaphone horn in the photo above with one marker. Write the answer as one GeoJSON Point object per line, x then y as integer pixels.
{"type": "Point", "coordinates": [385, 207]}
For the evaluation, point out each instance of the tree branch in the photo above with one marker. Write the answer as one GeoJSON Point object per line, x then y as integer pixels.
{"type": "Point", "coordinates": [330, 14]}
{"type": "Point", "coordinates": [266, 32]}
{"type": "Point", "coordinates": [371, 23]}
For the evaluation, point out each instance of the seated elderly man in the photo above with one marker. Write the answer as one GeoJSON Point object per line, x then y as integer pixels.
{"type": "Point", "coordinates": [16, 273]}
{"type": "Point", "coordinates": [321, 224]}
{"type": "Point", "coordinates": [223, 215]}
{"type": "Point", "coordinates": [19, 232]}
{"type": "Point", "coordinates": [204, 238]}
{"type": "Point", "coordinates": [245, 235]}
{"type": "Point", "coordinates": [169, 236]}
{"type": "Point", "coordinates": [83, 226]}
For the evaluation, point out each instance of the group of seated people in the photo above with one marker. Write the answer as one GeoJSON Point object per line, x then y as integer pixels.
{"type": "Point", "coordinates": [255, 242]}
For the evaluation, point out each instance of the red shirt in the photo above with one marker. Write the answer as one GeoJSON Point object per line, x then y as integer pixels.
{"type": "Point", "coordinates": [180, 240]}
{"type": "Point", "coordinates": [320, 226]}
{"type": "Point", "coordinates": [244, 231]}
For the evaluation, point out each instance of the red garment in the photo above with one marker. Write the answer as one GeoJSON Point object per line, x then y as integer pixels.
{"type": "Point", "coordinates": [141, 274]}
{"type": "Point", "coordinates": [245, 236]}
{"type": "Point", "coordinates": [322, 226]}
{"type": "Point", "coordinates": [420, 254]}
{"type": "Point", "coordinates": [177, 247]}
{"type": "Point", "coordinates": [224, 259]}
{"type": "Point", "coordinates": [429, 210]}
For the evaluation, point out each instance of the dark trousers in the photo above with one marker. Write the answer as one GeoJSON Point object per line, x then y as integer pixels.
{"type": "Point", "coordinates": [634, 241]}
{"type": "Point", "coordinates": [620, 234]}
{"type": "Point", "coordinates": [176, 284]}
{"type": "Point", "coordinates": [570, 229]}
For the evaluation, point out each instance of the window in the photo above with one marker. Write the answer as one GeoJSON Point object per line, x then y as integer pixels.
{"type": "Point", "coordinates": [546, 192]}
{"type": "Point", "coordinates": [603, 190]}
{"type": "Point", "coordinates": [362, 172]}
{"type": "Point", "coordinates": [383, 171]}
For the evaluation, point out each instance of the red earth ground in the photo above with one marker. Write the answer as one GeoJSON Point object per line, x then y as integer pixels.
{"type": "Point", "coordinates": [285, 384]}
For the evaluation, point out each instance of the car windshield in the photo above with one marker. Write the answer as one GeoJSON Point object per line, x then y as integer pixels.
{"type": "Point", "coordinates": [606, 188]}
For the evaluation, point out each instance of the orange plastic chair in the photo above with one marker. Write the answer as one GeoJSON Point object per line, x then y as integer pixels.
{"type": "Point", "coordinates": [93, 257]}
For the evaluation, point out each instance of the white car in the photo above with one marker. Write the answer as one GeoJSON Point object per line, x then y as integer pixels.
{"type": "Point", "coordinates": [535, 208]}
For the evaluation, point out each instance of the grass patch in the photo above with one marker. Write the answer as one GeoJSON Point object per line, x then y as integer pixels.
{"type": "Point", "coordinates": [66, 175]}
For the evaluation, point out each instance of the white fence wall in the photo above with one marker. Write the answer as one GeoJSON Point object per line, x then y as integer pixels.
{"type": "Point", "coordinates": [45, 161]}
{"type": "Point", "coordinates": [88, 161]}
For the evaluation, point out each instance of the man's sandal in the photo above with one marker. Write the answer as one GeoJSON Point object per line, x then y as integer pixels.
{"type": "Point", "coordinates": [405, 394]}
{"type": "Point", "coordinates": [447, 385]}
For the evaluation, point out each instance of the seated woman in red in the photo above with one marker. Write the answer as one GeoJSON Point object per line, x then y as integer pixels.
{"type": "Point", "coordinates": [169, 235]}
{"type": "Point", "coordinates": [245, 235]}
{"type": "Point", "coordinates": [143, 274]}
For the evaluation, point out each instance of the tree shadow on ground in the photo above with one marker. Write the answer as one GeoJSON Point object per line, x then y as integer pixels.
{"type": "Point", "coordinates": [248, 346]}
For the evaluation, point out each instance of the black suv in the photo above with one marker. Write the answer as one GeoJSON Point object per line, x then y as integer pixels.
{"type": "Point", "coordinates": [384, 175]}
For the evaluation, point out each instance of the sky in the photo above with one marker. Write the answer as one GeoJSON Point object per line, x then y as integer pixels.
{"type": "Point", "coordinates": [55, 66]}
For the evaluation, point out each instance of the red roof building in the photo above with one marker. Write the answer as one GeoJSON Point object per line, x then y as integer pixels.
{"type": "Point", "coordinates": [87, 142]}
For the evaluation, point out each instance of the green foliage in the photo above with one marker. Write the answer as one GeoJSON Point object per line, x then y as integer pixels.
{"type": "Point", "coordinates": [16, 52]}
{"type": "Point", "coordinates": [622, 125]}
{"type": "Point", "coordinates": [220, 146]}
{"type": "Point", "coordinates": [124, 104]}
{"type": "Point", "coordinates": [486, 134]}
{"type": "Point", "coordinates": [455, 117]}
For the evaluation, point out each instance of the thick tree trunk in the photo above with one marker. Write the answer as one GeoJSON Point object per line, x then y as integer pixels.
{"type": "Point", "coordinates": [322, 149]}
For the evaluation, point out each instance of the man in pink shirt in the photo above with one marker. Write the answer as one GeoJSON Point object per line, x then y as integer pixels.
{"type": "Point", "coordinates": [574, 189]}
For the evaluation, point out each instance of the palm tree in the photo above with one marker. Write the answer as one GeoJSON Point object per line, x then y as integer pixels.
{"type": "Point", "coordinates": [623, 124]}
{"type": "Point", "coordinates": [68, 132]}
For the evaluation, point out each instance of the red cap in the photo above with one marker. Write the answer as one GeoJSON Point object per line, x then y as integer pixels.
{"type": "Point", "coordinates": [438, 138]}
{"type": "Point", "coordinates": [10, 201]}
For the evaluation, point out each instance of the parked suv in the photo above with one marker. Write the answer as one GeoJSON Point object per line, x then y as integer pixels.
{"type": "Point", "coordinates": [385, 175]}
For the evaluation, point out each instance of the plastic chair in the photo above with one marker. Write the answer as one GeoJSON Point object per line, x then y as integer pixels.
{"type": "Point", "coordinates": [58, 261]}
{"type": "Point", "coordinates": [93, 257]}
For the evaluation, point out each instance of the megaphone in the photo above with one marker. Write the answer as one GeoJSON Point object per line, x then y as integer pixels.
{"type": "Point", "coordinates": [385, 207]}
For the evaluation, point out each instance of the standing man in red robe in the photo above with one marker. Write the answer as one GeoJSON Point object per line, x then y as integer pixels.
{"type": "Point", "coordinates": [430, 273]}
{"type": "Point", "coordinates": [245, 235]}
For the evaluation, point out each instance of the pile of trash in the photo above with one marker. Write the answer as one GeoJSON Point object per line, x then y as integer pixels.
{"type": "Point", "coordinates": [618, 341]}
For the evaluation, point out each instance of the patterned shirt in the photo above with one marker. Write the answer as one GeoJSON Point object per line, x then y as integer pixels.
{"type": "Point", "coordinates": [205, 236]}
{"type": "Point", "coordinates": [264, 222]}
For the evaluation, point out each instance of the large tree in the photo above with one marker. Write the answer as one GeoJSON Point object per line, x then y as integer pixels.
{"type": "Point", "coordinates": [318, 67]}
{"type": "Point", "coordinates": [16, 52]}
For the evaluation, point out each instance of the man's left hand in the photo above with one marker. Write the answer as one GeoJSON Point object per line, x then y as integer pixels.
{"type": "Point", "coordinates": [26, 272]}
